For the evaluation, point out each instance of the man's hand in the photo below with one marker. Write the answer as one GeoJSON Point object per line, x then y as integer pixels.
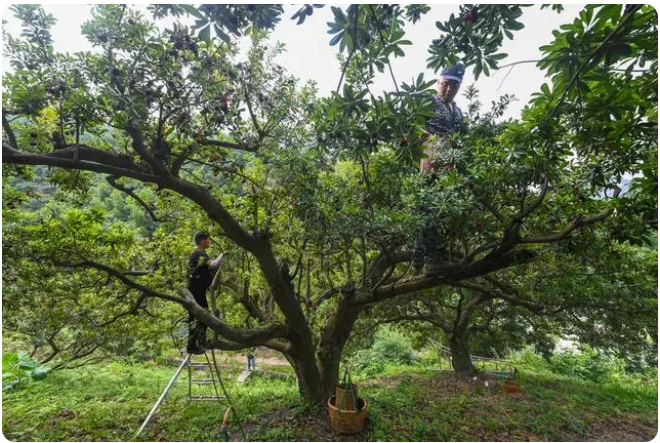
{"type": "Point", "coordinates": [216, 263]}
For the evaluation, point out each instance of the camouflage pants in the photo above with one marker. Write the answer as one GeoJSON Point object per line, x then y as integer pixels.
{"type": "Point", "coordinates": [196, 329]}
{"type": "Point", "coordinates": [442, 155]}
{"type": "Point", "coordinates": [196, 332]}
{"type": "Point", "coordinates": [427, 243]}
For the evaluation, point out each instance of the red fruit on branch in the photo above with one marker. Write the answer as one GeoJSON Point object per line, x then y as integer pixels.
{"type": "Point", "coordinates": [224, 102]}
{"type": "Point", "coordinates": [472, 16]}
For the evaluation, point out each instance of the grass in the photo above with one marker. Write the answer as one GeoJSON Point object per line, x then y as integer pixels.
{"type": "Point", "coordinates": [108, 402]}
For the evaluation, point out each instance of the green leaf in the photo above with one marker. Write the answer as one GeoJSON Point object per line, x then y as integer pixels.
{"type": "Point", "coordinates": [336, 39]}
{"type": "Point", "coordinates": [339, 15]}
{"type": "Point", "coordinates": [9, 359]}
{"type": "Point", "coordinates": [205, 34]}
{"type": "Point", "coordinates": [26, 364]}
{"type": "Point", "coordinates": [516, 26]}
{"type": "Point", "coordinates": [39, 373]}
{"type": "Point", "coordinates": [190, 9]}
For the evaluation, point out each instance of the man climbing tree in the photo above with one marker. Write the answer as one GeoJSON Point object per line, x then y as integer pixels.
{"type": "Point", "coordinates": [200, 278]}
{"type": "Point", "coordinates": [439, 155]}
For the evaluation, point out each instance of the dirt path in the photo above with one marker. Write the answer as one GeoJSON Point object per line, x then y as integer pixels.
{"type": "Point", "coordinates": [264, 357]}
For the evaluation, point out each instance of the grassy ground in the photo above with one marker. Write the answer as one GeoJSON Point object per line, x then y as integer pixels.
{"type": "Point", "coordinates": [108, 402]}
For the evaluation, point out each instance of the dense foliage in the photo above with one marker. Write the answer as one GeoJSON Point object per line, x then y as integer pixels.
{"type": "Point", "coordinates": [316, 198]}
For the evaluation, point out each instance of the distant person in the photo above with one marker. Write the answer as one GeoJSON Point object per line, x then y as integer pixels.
{"type": "Point", "coordinates": [251, 359]}
{"type": "Point", "coordinates": [448, 120]}
{"type": "Point", "coordinates": [199, 280]}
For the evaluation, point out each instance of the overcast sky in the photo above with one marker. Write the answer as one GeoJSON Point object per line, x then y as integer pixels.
{"type": "Point", "coordinates": [309, 55]}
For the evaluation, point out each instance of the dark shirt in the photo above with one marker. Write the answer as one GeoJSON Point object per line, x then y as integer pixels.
{"type": "Point", "coordinates": [200, 277]}
{"type": "Point", "coordinates": [447, 120]}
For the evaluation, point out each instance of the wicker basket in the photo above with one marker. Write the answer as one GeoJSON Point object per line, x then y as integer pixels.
{"type": "Point", "coordinates": [347, 422]}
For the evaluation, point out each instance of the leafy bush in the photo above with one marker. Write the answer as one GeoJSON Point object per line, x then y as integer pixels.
{"type": "Point", "coordinates": [588, 364]}
{"type": "Point", "coordinates": [429, 357]}
{"type": "Point", "coordinates": [389, 347]}
{"type": "Point", "coordinates": [19, 369]}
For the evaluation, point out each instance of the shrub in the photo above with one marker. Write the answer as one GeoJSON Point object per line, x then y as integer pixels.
{"type": "Point", "coordinates": [389, 347]}
{"type": "Point", "coordinates": [19, 369]}
{"type": "Point", "coordinates": [588, 364]}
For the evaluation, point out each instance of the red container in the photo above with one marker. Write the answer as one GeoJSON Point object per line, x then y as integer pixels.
{"type": "Point", "coordinates": [510, 387]}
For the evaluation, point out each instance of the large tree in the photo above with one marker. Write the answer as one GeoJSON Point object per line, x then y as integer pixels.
{"type": "Point", "coordinates": [316, 197]}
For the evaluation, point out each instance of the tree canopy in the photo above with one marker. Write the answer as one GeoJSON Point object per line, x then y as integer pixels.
{"type": "Point", "coordinates": [316, 198]}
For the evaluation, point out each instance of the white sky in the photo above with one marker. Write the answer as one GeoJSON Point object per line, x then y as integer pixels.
{"type": "Point", "coordinates": [309, 55]}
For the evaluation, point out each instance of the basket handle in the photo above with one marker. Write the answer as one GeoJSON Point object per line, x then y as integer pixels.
{"type": "Point", "coordinates": [347, 377]}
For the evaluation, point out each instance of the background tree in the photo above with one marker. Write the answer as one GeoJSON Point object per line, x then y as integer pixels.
{"type": "Point", "coordinates": [608, 303]}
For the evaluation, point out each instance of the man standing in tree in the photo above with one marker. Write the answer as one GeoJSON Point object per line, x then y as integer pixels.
{"type": "Point", "coordinates": [200, 278]}
{"type": "Point", "coordinates": [439, 154]}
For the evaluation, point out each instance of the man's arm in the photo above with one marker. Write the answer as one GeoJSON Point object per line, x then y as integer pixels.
{"type": "Point", "coordinates": [214, 264]}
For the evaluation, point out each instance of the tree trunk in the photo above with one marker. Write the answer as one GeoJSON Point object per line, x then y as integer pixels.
{"type": "Point", "coordinates": [460, 354]}
{"type": "Point", "coordinates": [329, 358]}
{"type": "Point", "coordinates": [335, 335]}
{"type": "Point", "coordinates": [310, 384]}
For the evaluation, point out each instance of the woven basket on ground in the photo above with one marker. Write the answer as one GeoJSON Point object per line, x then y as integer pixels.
{"type": "Point", "coordinates": [347, 422]}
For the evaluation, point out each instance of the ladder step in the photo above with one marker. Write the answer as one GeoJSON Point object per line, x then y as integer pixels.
{"type": "Point", "coordinates": [206, 397]}
{"type": "Point", "coordinates": [206, 366]}
{"type": "Point", "coordinates": [200, 381]}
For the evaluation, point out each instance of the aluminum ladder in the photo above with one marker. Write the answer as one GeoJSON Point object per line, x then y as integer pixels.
{"type": "Point", "coordinates": [191, 366]}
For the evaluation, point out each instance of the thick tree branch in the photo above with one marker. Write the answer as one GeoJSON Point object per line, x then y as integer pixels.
{"type": "Point", "coordinates": [452, 275]}
{"type": "Point", "coordinates": [180, 160]}
{"type": "Point", "coordinates": [8, 131]}
{"type": "Point", "coordinates": [225, 345]}
{"type": "Point", "coordinates": [89, 159]}
{"type": "Point", "coordinates": [229, 145]}
{"type": "Point", "coordinates": [323, 297]}
{"type": "Point", "coordinates": [384, 261]}
{"type": "Point", "coordinates": [156, 165]}
{"type": "Point", "coordinates": [250, 337]}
